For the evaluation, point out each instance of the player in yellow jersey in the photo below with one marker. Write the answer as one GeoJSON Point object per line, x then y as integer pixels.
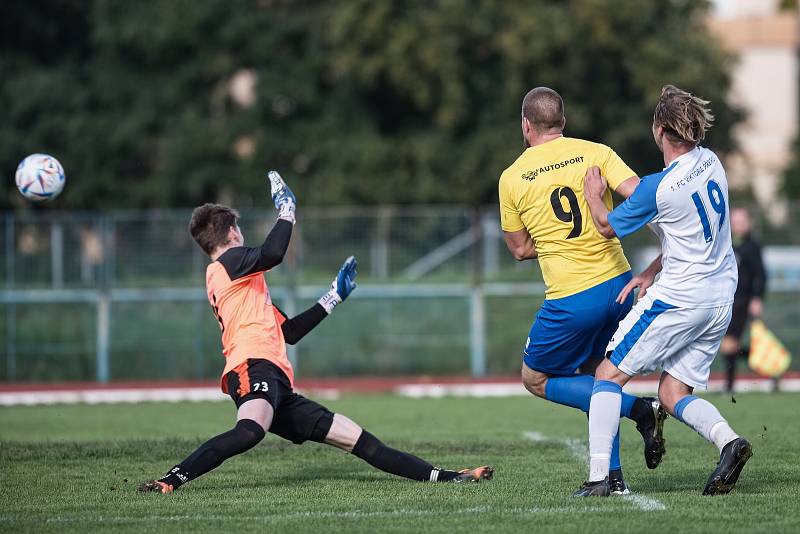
{"type": "Point", "coordinates": [258, 375]}
{"type": "Point", "coordinates": [544, 215]}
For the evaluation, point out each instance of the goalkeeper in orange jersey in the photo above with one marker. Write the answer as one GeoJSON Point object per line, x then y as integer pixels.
{"type": "Point", "coordinates": [258, 375]}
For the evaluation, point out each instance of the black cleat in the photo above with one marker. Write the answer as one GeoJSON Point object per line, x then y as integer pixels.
{"type": "Point", "coordinates": [650, 424]}
{"type": "Point", "coordinates": [616, 484]}
{"type": "Point", "coordinates": [594, 489]}
{"type": "Point", "coordinates": [731, 461]}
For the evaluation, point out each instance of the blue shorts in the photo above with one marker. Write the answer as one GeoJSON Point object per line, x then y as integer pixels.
{"type": "Point", "coordinates": [570, 330]}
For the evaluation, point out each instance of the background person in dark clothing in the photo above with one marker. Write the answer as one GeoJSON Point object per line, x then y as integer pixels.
{"type": "Point", "coordinates": [748, 301]}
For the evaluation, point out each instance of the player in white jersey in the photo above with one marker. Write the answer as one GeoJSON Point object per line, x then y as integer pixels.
{"type": "Point", "coordinates": [679, 320]}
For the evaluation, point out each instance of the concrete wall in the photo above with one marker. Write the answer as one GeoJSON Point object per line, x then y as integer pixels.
{"type": "Point", "coordinates": [765, 84]}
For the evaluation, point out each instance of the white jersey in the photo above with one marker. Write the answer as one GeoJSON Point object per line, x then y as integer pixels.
{"type": "Point", "coordinates": [686, 205]}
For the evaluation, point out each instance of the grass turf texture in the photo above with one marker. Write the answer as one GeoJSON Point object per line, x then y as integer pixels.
{"type": "Point", "coordinates": [76, 469]}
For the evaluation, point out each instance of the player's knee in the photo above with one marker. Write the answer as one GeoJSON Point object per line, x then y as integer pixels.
{"type": "Point", "coordinates": [608, 371]}
{"type": "Point", "coordinates": [367, 446]}
{"type": "Point", "coordinates": [249, 433]}
{"type": "Point", "coordinates": [534, 381]}
{"type": "Point", "coordinates": [537, 388]}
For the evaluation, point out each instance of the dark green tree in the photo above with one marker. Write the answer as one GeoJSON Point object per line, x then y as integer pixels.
{"type": "Point", "coordinates": [791, 177]}
{"type": "Point", "coordinates": [357, 102]}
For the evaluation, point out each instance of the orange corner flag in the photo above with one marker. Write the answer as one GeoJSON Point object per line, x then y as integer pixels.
{"type": "Point", "coordinates": [768, 356]}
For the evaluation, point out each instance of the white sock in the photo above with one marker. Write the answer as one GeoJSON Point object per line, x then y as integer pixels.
{"type": "Point", "coordinates": [722, 434]}
{"type": "Point", "coordinates": [706, 420]}
{"type": "Point", "coordinates": [603, 425]}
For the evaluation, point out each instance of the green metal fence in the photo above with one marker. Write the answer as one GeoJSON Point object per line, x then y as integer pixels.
{"type": "Point", "coordinates": [120, 296]}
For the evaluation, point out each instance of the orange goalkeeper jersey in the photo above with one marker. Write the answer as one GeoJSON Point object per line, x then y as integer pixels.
{"type": "Point", "coordinates": [251, 325]}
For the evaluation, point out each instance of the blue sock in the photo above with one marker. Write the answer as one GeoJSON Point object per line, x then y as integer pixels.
{"type": "Point", "coordinates": [616, 463]}
{"type": "Point", "coordinates": [576, 391]}
{"type": "Point", "coordinates": [625, 408]}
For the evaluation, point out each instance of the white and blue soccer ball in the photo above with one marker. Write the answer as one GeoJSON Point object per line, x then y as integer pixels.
{"type": "Point", "coordinates": [40, 177]}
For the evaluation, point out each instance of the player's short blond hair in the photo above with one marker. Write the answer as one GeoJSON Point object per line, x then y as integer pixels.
{"type": "Point", "coordinates": [684, 117]}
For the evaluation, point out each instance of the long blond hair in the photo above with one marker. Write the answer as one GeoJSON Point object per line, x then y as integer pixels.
{"type": "Point", "coordinates": [684, 117]}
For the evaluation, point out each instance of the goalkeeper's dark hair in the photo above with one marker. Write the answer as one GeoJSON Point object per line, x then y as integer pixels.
{"type": "Point", "coordinates": [684, 117]}
{"type": "Point", "coordinates": [210, 224]}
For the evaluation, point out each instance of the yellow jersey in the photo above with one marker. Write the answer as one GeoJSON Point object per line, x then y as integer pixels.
{"type": "Point", "coordinates": [542, 192]}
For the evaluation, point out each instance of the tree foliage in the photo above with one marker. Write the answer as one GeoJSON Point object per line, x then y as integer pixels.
{"type": "Point", "coordinates": [791, 176]}
{"type": "Point", "coordinates": [358, 102]}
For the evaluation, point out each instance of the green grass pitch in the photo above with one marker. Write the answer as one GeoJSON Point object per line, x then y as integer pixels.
{"type": "Point", "coordinates": [76, 469]}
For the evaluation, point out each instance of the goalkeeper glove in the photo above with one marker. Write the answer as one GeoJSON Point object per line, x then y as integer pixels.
{"type": "Point", "coordinates": [282, 196]}
{"type": "Point", "coordinates": [342, 285]}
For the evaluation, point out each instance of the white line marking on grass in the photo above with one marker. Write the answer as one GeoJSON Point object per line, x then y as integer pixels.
{"type": "Point", "coordinates": [643, 502]}
{"type": "Point", "coordinates": [576, 447]}
{"type": "Point", "coordinates": [580, 451]}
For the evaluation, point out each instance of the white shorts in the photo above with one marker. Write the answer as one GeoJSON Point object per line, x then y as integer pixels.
{"type": "Point", "coordinates": [682, 341]}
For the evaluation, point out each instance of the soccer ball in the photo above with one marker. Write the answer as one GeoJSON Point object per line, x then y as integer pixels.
{"type": "Point", "coordinates": [40, 177]}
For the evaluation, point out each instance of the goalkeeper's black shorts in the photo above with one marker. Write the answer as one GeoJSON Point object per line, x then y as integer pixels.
{"type": "Point", "coordinates": [296, 418]}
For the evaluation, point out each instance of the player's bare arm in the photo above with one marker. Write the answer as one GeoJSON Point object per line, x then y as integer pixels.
{"type": "Point", "coordinates": [594, 188]}
{"type": "Point", "coordinates": [521, 244]}
{"type": "Point", "coordinates": [626, 188]}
